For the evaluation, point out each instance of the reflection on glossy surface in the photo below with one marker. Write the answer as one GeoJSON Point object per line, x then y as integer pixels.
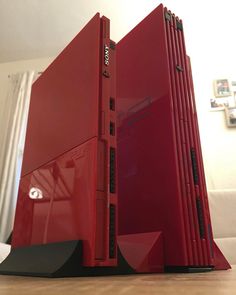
{"type": "Point", "coordinates": [149, 194]}
{"type": "Point", "coordinates": [64, 191]}
{"type": "Point", "coordinates": [68, 200]}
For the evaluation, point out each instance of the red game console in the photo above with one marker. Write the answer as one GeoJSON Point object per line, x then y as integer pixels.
{"type": "Point", "coordinates": [68, 188]}
{"type": "Point", "coordinates": [160, 170]}
{"type": "Point", "coordinates": [67, 210]}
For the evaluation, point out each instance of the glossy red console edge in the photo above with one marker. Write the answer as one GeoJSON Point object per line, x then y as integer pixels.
{"type": "Point", "coordinates": [68, 185]}
{"type": "Point", "coordinates": [160, 173]}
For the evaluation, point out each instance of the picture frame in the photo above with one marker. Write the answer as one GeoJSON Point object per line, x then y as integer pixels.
{"type": "Point", "coordinates": [221, 88]}
{"type": "Point", "coordinates": [218, 104]}
{"type": "Point", "coordinates": [230, 114]}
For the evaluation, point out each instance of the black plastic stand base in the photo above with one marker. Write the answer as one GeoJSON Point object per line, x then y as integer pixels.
{"type": "Point", "coordinates": [187, 269]}
{"type": "Point", "coordinates": [65, 259]}
{"type": "Point", "coordinates": [56, 260]}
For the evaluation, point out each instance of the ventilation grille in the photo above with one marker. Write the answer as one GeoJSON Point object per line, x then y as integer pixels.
{"type": "Point", "coordinates": [112, 233]}
{"type": "Point", "coordinates": [112, 170]}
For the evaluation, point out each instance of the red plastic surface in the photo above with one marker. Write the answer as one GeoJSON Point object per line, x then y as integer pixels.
{"type": "Point", "coordinates": [157, 129]}
{"type": "Point", "coordinates": [68, 202]}
{"type": "Point", "coordinates": [67, 150]}
{"type": "Point", "coordinates": [220, 262]}
{"type": "Point", "coordinates": [149, 180]}
{"type": "Point", "coordinates": [143, 251]}
{"type": "Point", "coordinates": [64, 102]}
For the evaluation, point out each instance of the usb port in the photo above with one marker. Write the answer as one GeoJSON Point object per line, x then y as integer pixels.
{"type": "Point", "coordinates": [112, 104]}
{"type": "Point", "coordinates": [112, 128]}
{"type": "Point", "coordinates": [112, 170]}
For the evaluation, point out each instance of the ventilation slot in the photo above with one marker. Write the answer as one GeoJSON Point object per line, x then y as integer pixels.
{"type": "Point", "coordinates": [200, 218]}
{"type": "Point", "coordinates": [112, 104]}
{"type": "Point", "coordinates": [194, 166]}
{"type": "Point", "coordinates": [112, 232]}
{"type": "Point", "coordinates": [112, 170]}
{"type": "Point", "coordinates": [112, 128]}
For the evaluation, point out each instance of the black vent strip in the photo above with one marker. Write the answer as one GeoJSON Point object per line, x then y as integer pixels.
{"type": "Point", "coordinates": [112, 232]}
{"type": "Point", "coordinates": [200, 218]}
{"type": "Point", "coordinates": [112, 170]}
{"type": "Point", "coordinates": [194, 166]}
{"type": "Point", "coordinates": [179, 25]}
{"type": "Point", "coordinates": [112, 104]}
{"type": "Point", "coordinates": [112, 128]}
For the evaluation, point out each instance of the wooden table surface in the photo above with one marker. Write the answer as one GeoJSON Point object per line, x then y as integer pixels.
{"type": "Point", "coordinates": [215, 283]}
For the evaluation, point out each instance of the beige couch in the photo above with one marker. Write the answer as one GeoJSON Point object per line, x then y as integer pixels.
{"type": "Point", "coordinates": [223, 215]}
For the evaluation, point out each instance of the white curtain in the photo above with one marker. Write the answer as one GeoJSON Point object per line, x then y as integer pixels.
{"type": "Point", "coordinates": [13, 127]}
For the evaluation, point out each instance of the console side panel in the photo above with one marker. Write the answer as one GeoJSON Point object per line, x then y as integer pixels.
{"type": "Point", "coordinates": [64, 101]}
{"type": "Point", "coordinates": [149, 184]}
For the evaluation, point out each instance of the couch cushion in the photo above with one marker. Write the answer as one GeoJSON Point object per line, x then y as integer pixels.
{"type": "Point", "coordinates": [223, 212]}
{"type": "Point", "coordinates": [228, 246]}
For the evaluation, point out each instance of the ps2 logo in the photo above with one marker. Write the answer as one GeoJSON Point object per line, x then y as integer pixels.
{"type": "Point", "coordinates": [35, 193]}
{"type": "Point", "coordinates": [106, 55]}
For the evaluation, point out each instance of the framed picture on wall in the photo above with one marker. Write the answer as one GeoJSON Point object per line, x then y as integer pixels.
{"type": "Point", "coordinates": [219, 104]}
{"type": "Point", "coordinates": [230, 114]}
{"type": "Point", "coordinates": [221, 88]}
{"type": "Point", "coordinates": [233, 90]}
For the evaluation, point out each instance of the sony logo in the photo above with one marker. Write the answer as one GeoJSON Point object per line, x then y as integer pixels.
{"type": "Point", "coordinates": [106, 55]}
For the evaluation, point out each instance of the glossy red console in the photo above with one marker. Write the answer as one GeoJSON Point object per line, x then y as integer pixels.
{"type": "Point", "coordinates": [66, 216]}
{"type": "Point", "coordinates": [68, 182]}
{"type": "Point", "coordinates": [160, 170]}
{"type": "Point", "coordinates": [67, 210]}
